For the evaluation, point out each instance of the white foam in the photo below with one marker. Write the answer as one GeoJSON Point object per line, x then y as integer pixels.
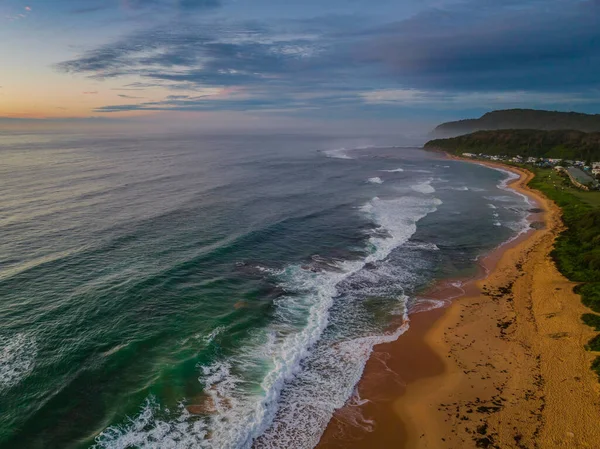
{"type": "Point", "coordinates": [375, 180]}
{"type": "Point", "coordinates": [337, 153]}
{"type": "Point", "coordinates": [213, 334]}
{"type": "Point", "coordinates": [306, 411]}
{"type": "Point", "coordinates": [522, 225]}
{"type": "Point", "coordinates": [17, 359]}
{"type": "Point", "coordinates": [500, 198]}
{"type": "Point", "coordinates": [425, 246]}
{"type": "Point", "coordinates": [427, 304]}
{"type": "Point", "coordinates": [395, 170]}
{"type": "Point", "coordinates": [288, 405]}
{"type": "Point", "coordinates": [398, 217]}
{"type": "Point", "coordinates": [511, 176]}
{"type": "Point", "coordinates": [424, 187]}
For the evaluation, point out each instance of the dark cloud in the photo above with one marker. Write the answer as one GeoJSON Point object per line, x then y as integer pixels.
{"type": "Point", "coordinates": [473, 46]}
{"type": "Point", "coordinates": [554, 46]}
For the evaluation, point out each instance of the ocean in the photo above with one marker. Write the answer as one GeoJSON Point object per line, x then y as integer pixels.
{"type": "Point", "coordinates": [212, 291]}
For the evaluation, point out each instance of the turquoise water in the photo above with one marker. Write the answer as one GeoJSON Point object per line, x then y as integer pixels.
{"type": "Point", "coordinates": [185, 291]}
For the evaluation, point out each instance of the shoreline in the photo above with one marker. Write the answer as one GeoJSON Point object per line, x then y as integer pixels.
{"type": "Point", "coordinates": [483, 371]}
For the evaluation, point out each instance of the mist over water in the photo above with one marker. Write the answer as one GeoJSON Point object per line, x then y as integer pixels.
{"type": "Point", "coordinates": [217, 291]}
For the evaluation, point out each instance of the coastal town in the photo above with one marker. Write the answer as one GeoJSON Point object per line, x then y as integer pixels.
{"type": "Point", "coordinates": [584, 175]}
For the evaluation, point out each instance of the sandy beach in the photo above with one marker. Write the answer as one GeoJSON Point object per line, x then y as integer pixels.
{"type": "Point", "coordinates": [503, 366]}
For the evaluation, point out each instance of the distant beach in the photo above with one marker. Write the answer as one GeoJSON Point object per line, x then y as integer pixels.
{"type": "Point", "coordinates": [503, 365]}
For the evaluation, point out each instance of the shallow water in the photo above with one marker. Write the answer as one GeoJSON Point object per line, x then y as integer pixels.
{"type": "Point", "coordinates": [216, 291]}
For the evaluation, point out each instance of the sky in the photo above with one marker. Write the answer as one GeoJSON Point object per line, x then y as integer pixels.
{"type": "Point", "coordinates": [283, 61]}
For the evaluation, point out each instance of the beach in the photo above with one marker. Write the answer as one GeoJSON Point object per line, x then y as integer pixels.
{"type": "Point", "coordinates": [502, 366]}
{"type": "Point", "coordinates": [228, 298]}
{"type": "Point", "coordinates": [242, 310]}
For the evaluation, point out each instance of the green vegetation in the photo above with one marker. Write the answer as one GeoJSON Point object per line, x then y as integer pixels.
{"type": "Point", "coordinates": [522, 119]}
{"type": "Point", "coordinates": [592, 320]}
{"type": "Point", "coordinates": [576, 145]}
{"type": "Point", "coordinates": [577, 250]}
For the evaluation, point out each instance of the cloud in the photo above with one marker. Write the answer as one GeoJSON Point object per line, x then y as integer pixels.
{"type": "Point", "coordinates": [182, 4]}
{"type": "Point", "coordinates": [413, 97]}
{"type": "Point", "coordinates": [92, 8]}
{"type": "Point", "coordinates": [157, 6]}
{"type": "Point", "coordinates": [510, 52]}
{"type": "Point", "coordinates": [550, 45]}
{"type": "Point", "coordinates": [213, 54]}
{"type": "Point", "coordinates": [129, 96]}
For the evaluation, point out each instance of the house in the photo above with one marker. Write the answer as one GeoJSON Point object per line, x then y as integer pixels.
{"type": "Point", "coordinates": [468, 155]}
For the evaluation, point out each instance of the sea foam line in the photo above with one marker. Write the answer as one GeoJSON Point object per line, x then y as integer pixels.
{"type": "Point", "coordinates": [307, 405]}
{"type": "Point", "coordinates": [237, 419]}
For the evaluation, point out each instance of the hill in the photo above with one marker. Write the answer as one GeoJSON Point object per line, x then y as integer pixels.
{"type": "Point", "coordinates": [576, 145]}
{"type": "Point", "coordinates": [521, 119]}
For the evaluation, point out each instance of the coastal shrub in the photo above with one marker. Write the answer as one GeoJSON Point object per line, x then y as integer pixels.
{"type": "Point", "coordinates": [577, 249]}
{"type": "Point", "coordinates": [592, 320]}
{"type": "Point", "coordinates": [560, 144]}
{"type": "Point", "coordinates": [590, 295]}
{"type": "Point", "coordinates": [594, 344]}
{"type": "Point", "coordinates": [596, 366]}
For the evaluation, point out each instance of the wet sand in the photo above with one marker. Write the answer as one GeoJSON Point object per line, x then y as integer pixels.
{"type": "Point", "coordinates": [503, 366]}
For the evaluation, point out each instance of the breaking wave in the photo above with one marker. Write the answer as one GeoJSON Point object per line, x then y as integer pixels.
{"type": "Point", "coordinates": [424, 187]}
{"type": "Point", "coordinates": [337, 153]}
{"type": "Point", "coordinates": [283, 388]}
{"type": "Point", "coordinates": [17, 358]}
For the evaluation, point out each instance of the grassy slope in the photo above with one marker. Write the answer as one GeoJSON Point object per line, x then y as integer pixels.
{"type": "Point", "coordinates": [577, 250]}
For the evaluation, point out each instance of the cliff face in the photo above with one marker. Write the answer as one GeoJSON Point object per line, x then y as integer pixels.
{"type": "Point", "coordinates": [568, 144]}
{"type": "Point", "coordinates": [521, 119]}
